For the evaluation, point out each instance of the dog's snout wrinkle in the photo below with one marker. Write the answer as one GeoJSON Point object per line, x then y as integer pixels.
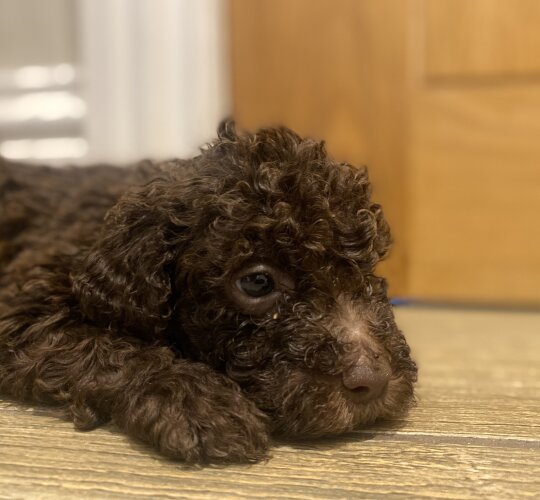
{"type": "Point", "coordinates": [351, 324]}
{"type": "Point", "coordinates": [367, 370]}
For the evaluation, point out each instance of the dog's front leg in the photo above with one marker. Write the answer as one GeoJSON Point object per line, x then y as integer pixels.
{"type": "Point", "coordinates": [185, 410]}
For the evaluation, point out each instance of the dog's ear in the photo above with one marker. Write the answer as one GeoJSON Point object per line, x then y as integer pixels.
{"type": "Point", "coordinates": [124, 279]}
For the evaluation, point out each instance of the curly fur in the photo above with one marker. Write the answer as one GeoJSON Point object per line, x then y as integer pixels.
{"type": "Point", "coordinates": [114, 298]}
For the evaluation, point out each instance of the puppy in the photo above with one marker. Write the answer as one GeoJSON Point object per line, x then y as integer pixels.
{"type": "Point", "coordinates": [205, 304]}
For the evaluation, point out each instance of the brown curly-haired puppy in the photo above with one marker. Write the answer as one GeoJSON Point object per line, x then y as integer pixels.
{"type": "Point", "coordinates": [202, 305]}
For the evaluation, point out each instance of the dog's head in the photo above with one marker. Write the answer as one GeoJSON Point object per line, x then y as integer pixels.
{"type": "Point", "coordinates": [257, 258]}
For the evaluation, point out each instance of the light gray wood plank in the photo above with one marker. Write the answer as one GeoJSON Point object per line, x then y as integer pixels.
{"type": "Point", "coordinates": [474, 434]}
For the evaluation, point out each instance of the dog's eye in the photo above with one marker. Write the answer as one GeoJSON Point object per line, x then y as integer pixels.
{"type": "Point", "coordinates": [257, 287]}
{"type": "Point", "coordinates": [257, 284]}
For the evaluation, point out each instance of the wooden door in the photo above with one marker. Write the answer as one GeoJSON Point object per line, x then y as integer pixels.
{"type": "Point", "coordinates": [475, 151]}
{"type": "Point", "coordinates": [441, 98]}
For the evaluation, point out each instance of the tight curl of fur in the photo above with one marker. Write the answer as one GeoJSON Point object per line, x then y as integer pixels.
{"type": "Point", "coordinates": [123, 297]}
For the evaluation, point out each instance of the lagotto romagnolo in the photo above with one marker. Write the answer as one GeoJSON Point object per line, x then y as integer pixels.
{"type": "Point", "coordinates": [202, 305]}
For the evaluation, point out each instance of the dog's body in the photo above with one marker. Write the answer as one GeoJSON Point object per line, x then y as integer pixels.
{"type": "Point", "coordinates": [221, 298]}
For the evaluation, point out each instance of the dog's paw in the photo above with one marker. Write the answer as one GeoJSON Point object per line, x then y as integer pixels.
{"type": "Point", "coordinates": [203, 433]}
{"type": "Point", "coordinates": [204, 419]}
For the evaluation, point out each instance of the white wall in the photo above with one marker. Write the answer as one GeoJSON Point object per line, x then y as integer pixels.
{"type": "Point", "coordinates": [155, 76]}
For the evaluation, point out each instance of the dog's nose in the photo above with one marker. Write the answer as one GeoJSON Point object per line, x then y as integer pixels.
{"type": "Point", "coordinates": [366, 380]}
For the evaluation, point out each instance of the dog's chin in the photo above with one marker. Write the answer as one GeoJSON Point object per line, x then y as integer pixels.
{"type": "Point", "coordinates": [310, 405]}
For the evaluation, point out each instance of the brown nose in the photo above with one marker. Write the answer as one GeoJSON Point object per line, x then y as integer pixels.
{"type": "Point", "coordinates": [367, 379]}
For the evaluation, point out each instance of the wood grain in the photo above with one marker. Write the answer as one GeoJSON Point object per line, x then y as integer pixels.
{"type": "Point", "coordinates": [475, 434]}
{"type": "Point", "coordinates": [475, 191]}
{"type": "Point", "coordinates": [473, 152]}
{"type": "Point", "coordinates": [482, 38]}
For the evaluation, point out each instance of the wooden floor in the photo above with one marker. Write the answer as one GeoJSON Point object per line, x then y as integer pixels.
{"type": "Point", "coordinates": [475, 434]}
